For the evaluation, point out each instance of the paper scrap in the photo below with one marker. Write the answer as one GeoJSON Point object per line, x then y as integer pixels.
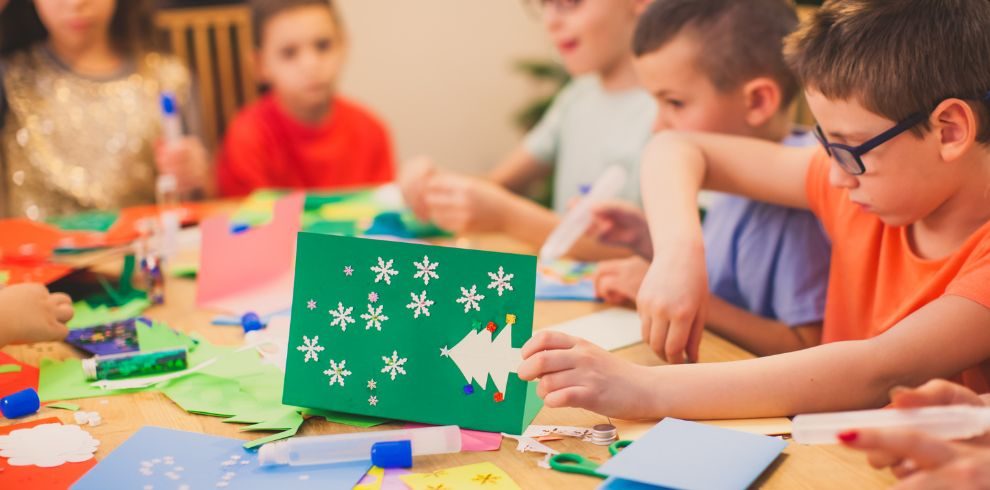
{"type": "Point", "coordinates": [37, 478]}
{"type": "Point", "coordinates": [481, 475]}
{"type": "Point", "coordinates": [10, 368]}
{"type": "Point", "coordinates": [72, 407]}
{"type": "Point", "coordinates": [611, 329]}
{"type": "Point", "coordinates": [473, 440]}
{"type": "Point", "coordinates": [47, 445]}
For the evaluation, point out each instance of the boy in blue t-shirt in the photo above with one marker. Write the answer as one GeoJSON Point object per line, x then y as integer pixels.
{"type": "Point", "coordinates": [717, 66]}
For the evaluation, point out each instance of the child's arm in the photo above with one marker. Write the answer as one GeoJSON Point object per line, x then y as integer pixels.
{"type": "Point", "coordinates": [28, 313]}
{"type": "Point", "coordinates": [760, 335]}
{"type": "Point", "coordinates": [676, 166]}
{"type": "Point", "coordinates": [518, 170]}
{"type": "Point", "coordinates": [471, 205]}
{"type": "Point", "coordinates": [940, 340]}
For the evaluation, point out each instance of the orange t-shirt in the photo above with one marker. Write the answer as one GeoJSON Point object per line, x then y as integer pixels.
{"type": "Point", "coordinates": [876, 280]}
{"type": "Point", "coordinates": [266, 148]}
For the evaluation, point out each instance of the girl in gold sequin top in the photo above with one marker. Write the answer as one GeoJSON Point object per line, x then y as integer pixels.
{"type": "Point", "coordinates": [82, 84]}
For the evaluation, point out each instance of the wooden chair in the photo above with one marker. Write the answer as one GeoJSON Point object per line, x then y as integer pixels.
{"type": "Point", "coordinates": [217, 44]}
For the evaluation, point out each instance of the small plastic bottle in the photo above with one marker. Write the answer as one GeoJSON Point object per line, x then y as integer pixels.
{"type": "Point", "coordinates": [343, 448]}
{"type": "Point", "coordinates": [947, 422]}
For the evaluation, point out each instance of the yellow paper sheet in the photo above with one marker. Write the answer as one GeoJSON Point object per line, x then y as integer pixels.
{"type": "Point", "coordinates": [482, 475]}
{"type": "Point", "coordinates": [378, 474]}
{"type": "Point", "coordinates": [775, 426]}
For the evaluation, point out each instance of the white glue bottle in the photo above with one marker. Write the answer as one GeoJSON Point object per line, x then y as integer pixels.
{"type": "Point", "coordinates": [344, 448]}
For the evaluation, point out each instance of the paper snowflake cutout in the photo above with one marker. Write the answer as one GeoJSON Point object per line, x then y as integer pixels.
{"type": "Point", "coordinates": [427, 270]}
{"type": "Point", "coordinates": [471, 299]}
{"type": "Point", "coordinates": [311, 347]}
{"type": "Point", "coordinates": [420, 304]}
{"type": "Point", "coordinates": [348, 271]}
{"type": "Point", "coordinates": [337, 372]}
{"type": "Point", "coordinates": [48, 445]}
{"type": "Point", "coordinates": [341, 317]}
{"type": "Point", "coordinates": [372, 384]}
{"type": "Point", "coordinates": [373, 400]}
{"type": "Point", "coordinates": [393, 365]}
{"type": "Point", "coordinates": [384, 271]}
{"type": "Point", "coordinates": [374, 317]}
{"type": "Point", "coordinates": [501, 280]}
{"type": "Point", "coordinates": [373, 297]}
{"type": "Point", "coordinates": [311, 304]}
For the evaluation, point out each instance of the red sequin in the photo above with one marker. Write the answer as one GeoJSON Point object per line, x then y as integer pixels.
{"type": "Point", "coordinates": [499, 397]}
{"type": "Point", "coordinates": [492, 327]}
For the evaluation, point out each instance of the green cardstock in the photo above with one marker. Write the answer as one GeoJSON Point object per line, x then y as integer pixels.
{"type": "Point", "coordinates": [10, 368]}
{"type": "Point", "coordinates": [411, 332]}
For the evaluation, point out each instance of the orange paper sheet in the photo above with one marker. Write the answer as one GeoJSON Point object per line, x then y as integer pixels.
{"type": "Point", "coordinates": [35, 478]}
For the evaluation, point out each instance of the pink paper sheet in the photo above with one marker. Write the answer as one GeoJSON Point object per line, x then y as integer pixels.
{"type": "Point", "coordinates": [253, 270]}
{"type": "Point", "coordinates": [474, 440]}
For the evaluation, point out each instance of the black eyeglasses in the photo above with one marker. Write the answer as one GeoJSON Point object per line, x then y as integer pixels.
{"type": "Point", "coordinates": [850, 159]}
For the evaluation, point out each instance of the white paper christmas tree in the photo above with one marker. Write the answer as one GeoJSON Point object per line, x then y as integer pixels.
{"type": "Point", "coordinates": [478, 356]}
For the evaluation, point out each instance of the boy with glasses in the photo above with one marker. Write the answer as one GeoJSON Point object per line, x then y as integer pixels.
{"type": "Point", "coordinates": [907, 210]}
{"type": "Point", "coordinates": [601, 118]}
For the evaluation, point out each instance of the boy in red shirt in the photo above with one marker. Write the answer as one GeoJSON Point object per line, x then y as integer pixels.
{"type": "Point", "coordinates": [302, 134]}
{"type": "Point", "coordinates": [900, 183]}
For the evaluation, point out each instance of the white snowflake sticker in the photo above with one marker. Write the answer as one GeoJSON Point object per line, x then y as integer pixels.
{"type": "Point", "coordinates": [373, 400]}
{"type": "Point", "coordinates": [471, 299]}
{"type": "Point", "coordinates": [374, 317]}
{"type": "Point", "coordinates": [341, 317]}
{"type": "Point", "coordinates": [337, 372]}
{"type": "Point", "coordinates": [311, 304]}
{"type": "Point", "coordinates": [500, 281]}
{"type": "Point", "coordinates": [427, 270]}
{"type": "Point", "coordinates": [420, 304]}
{"type": "Point", "coordinates": [311, 347]}
{"type": "Point", "coordinates": [384, 271]}
{"type": "Point", "coordinates": [393, 365]}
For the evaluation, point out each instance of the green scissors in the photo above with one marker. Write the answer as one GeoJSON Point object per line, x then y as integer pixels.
{"type": "Point", "coordinates": [575, 463]}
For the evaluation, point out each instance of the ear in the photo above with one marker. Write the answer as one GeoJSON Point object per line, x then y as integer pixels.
{"type": "Point", "coordinates": [763, 98]}
{"type": "Point", "coordinates": [954, 123]}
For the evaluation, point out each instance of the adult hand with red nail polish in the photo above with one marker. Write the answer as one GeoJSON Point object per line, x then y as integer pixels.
{"type": "Point", "coordinates": [920, 460]}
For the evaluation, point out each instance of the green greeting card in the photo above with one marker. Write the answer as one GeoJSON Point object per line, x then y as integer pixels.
{"type": "Point", "coordinates": [411, 332]}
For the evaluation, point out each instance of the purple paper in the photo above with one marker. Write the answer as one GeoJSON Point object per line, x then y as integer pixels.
{"type": "Point", "coordinates": [102, 340]}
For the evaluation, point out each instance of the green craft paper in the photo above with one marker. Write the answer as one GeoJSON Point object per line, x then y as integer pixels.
{"type": "Point", "coordinates": [72, 407]}
{"type": "Point", "coordinates": [87, 315]}
{"type": "Point", "coordinates": [159, 336]}
{"type": "Point", "coordinates": [189, 271]}
{"type": "Point", "coordinates": [433, 388]}
{"type": "Point", "coordinates": [272, 438]}
{"type": "Point", "coordinates": [363, 421]}
{"type": "Point", "coordinates": [10, 368]}
{"type": "Point", "coordinates": [64, 380]}
{"type": "Point", "coordinates": [100, 221]}
{"type": "Point", "coordinates": [4, 277]}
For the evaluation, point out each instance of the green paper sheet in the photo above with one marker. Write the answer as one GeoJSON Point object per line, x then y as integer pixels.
{"type": "Point", "coordinates": [72, 407]}
{"type": "Point", "coordinates": [99, 221]}
{"type": "Point", "coordinates": [87, 315]}
{"type": "Point", "coordinates": [4, 277]}
{"type": "Point", "coordinates": [64, 380]}
{"type": "Point", "coordinates": [411, 332]}
{"type": "Point", "coordinates": [159, 336]}
{"type": "Point", "coordinates": [10, 368]}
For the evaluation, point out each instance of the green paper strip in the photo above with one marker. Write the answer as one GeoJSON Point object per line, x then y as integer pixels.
{"type": "Point", "coordinates": [72, 407]}
{"type": "Point", "coordinates": [4, 277]}
{"type": "Point", "coordinates": [272, 438]}
{"type": "Point", "coordinates": [10, 368]}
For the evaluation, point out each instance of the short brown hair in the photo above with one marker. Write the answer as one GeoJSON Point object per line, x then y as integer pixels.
{"type": "Point", "coordinates": [264, 10]}
{"type": "Point", "coordinates": [899, 57]}
{"type": "Point", "coordinates": [740, 40]}
{"type": "Point", "coordinates": [131, 29]}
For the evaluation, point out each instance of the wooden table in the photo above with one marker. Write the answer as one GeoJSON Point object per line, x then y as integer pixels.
{"type": "Point", "coordinates": [800, 466]}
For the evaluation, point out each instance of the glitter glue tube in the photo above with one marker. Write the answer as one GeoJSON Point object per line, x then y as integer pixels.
{"type": "Point", "coordinates": [343, 448]}
{"type": "Point", "coordinates": [132, 364]}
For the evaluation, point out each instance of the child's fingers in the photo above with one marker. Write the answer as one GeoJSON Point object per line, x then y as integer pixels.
{"type": "Point", "coordinates": [890, 446]}
{"type": "Point", "coordinates": [659, 329]}
{"type": "Point", "coordinates": [544, 363]}
{"type": "Point", "coordinates": [542, 341]}
{"type": "Point", "coordinates": [60, 299]}
{"type": "Point", "coordinates": [677, 340]}
{"type": "Point", "coordinates": [64, 312]}
{"type": "Point", "coordinates": [572, 396]}
{"type": "Point", "coordinates": [558, 381]}
{"type": "Point", "coordinates": [694, 342]}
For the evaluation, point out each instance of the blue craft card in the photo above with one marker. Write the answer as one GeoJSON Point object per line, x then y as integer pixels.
{"type": "Point", "coordinates": [163, 458]}
{"type": "Point", "coordinates": [681, 454]}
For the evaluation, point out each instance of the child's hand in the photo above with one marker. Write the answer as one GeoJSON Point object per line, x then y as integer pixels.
{"type": "Point", "coordinates": [621, 224]}
{"type": "Point", "coordinates": [575, 373]}
{"type": "Point", "coordinates": [921, 460]}
{"type": "Point", "coordinates": [466, 204]}
{"type": "Point", "coordinates": [29, 313]}
{"type": "Point", "coordinates": [618, 281]}
{"type": "Point", "coordinates": [672, 302]}
{"type": "Point", "coordinates": [186, 159]}
{"type": "Point", "coordinates": [415, 175]}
